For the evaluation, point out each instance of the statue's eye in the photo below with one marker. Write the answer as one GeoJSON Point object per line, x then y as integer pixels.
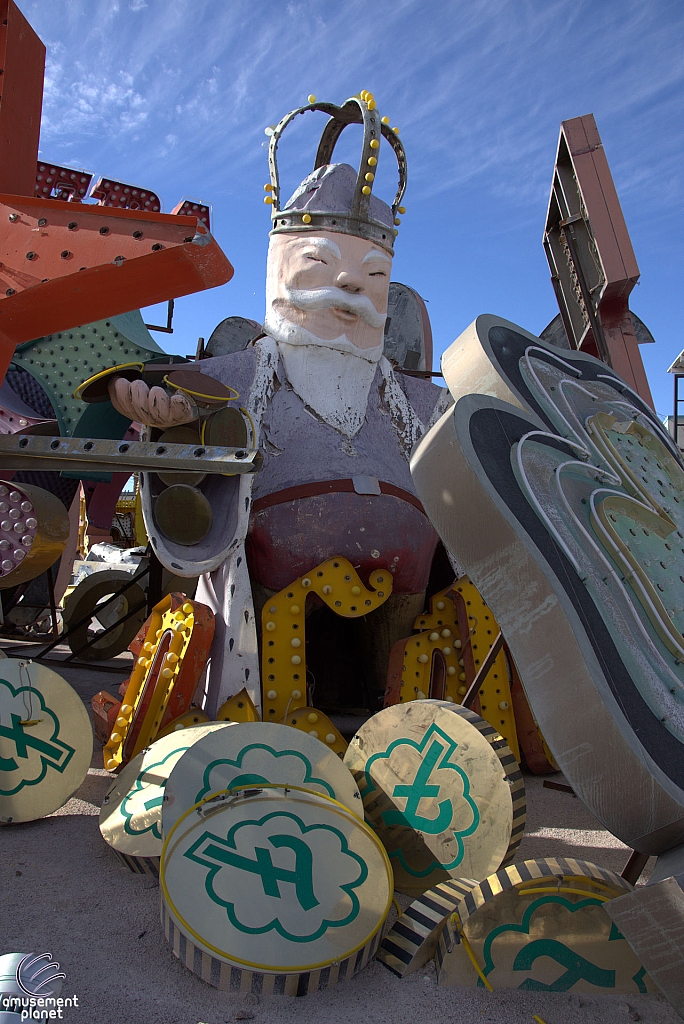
{"type": "Point", "coordinates": [377, 273]}
{"type": "Point", "coordinates": [314, 258]}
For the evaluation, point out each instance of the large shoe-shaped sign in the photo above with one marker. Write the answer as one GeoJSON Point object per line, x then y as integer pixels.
{"type": "Point", "coordinates": [557, 489]}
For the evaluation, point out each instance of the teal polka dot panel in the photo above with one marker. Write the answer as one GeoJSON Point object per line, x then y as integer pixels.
{"type": "Point", "coordinates": [62, 361]}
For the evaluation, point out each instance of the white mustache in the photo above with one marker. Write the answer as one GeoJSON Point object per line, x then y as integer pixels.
{"type": "Point", "coordinates": [324, 298]}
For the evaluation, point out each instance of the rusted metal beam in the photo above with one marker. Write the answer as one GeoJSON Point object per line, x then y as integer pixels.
{"type": "Point", "coordinates": [484, 669]}
{"type": "Point", "coordinates": [66, 264]}
{"type": "Point", "coordinates": [22, 63]}
{"type": "Point", "coordinates": [33, 452]}
{"type": "Point", "coordinates": [634, 866]}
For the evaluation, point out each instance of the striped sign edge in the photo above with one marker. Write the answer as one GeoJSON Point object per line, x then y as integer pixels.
{"type": "Point", "coordinates": [233, 978]}
{"type": "Point", "coordinates": [509, 765]}
{"type": "Point", "coordinates": [412, 939]}
{"type": "Point", "coordinates": [138, 865]}
{"type": "Point", "coordinates": [513, 774]}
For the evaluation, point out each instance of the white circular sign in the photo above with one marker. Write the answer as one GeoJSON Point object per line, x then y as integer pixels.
{"type": "Point", "coordinates": [442, 790]}
{"type": "Point", "coordinates": [276, 880]}
{"type": "Point", "coordinates": [46, 741]}
{"type": "Point", "coordinates": [253, 753]}
{"type": "Point", "coordinates": [131, 815]}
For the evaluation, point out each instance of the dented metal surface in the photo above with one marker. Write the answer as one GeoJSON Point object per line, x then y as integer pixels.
{"type": "Point", "coordinates": [62, 266]}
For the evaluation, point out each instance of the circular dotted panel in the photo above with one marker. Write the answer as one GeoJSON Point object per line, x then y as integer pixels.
{"type": "Point", "coordinates": [18, 527]}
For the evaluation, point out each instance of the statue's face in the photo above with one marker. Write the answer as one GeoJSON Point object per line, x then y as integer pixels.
{"type": "Point", "coordinates": [330, 284]}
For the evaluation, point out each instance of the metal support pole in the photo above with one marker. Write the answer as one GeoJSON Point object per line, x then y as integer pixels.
{"type": "Point", "coordinates": [675, 417]}
{"type": "Point", "coordinates": [53, 606]}
{"type": "Point", "coordinates": [154, 589]}
{"type": "Point", "coordinates": [634, 866]}
{"type": "Point", "coordinates": [486, 665]}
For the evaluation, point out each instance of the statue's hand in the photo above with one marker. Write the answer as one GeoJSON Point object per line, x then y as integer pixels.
{"type": "Point", "coordinates": [151, 406]}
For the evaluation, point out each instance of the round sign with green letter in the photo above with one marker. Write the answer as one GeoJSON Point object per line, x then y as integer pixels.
{"type": "Point", "coordinates": [442, 790]}
{"type": "Point", "coordinates": [253, 753]}
{"type": "Point", "coordinates": [131, 815]}
{"type": "Point", "coordinates": [46, 741]}
{"type": "Point", "coordinates": [276, 881]}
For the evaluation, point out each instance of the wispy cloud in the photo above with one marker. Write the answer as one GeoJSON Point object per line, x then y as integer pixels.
{"type": "Point", "coordinates": [175, 94]}
{"type": "Point", "coordinates": [479, 87]}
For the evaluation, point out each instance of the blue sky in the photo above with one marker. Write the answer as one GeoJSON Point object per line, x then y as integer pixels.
{"type": "Point", "coordinates": [174, 95]}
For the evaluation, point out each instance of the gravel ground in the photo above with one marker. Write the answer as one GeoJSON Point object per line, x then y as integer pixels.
{"type": "Point", "coordinates": [63, 890]}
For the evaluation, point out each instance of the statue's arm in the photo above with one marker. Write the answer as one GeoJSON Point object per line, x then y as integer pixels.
{"type": "Point", "coordinates": [156, 407]}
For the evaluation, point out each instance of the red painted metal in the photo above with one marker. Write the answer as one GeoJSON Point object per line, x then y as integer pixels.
{"type": "Point", "coordinates": [592, 261]}
{"type": "Point", "coordinates": [395, 666]}
{"type": "Point", "coordinates": [136, 646]}
{"type": "Point", "coordinates": [63, 262]}
{"type": "Point", "coordinates": [151, 682]}
{"type": "Point", "coordinates": [103, 499]}
{"type": "Point", "coordinates": [192, 208]}
{"type": "Point", "coordinates": [64, 265]}
{"type": "Point", "coordinates": [65, 183]}
{"type": "Point", "coordinates": [287, 540]}
{"type": "Point", "coordinates": [105, 709]}
{"type": "Point", "coordinates": [602, 203]}
{"type": "Point", "coordinates": [22, 62]}
{"type": "Point", "coordinates": [316, 487]}
{"type": "Point", "coordinates": [121, 196]}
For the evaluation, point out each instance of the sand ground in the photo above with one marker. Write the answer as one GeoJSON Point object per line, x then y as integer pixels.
{"type": "Point", "coordinates": [63, 890]}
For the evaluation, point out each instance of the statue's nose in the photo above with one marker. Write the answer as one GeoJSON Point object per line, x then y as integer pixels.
{"type": "Point", "coordinates": [349, 281]}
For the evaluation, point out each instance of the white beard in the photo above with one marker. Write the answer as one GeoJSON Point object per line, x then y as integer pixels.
{"type": "Point", "coordinates": [332, 377]}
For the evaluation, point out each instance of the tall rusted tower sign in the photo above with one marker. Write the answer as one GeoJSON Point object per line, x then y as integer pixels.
{"type": "Point", "coordinates": [22, 66]}
{"type": "Point", "coordinates": [593, 266]}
